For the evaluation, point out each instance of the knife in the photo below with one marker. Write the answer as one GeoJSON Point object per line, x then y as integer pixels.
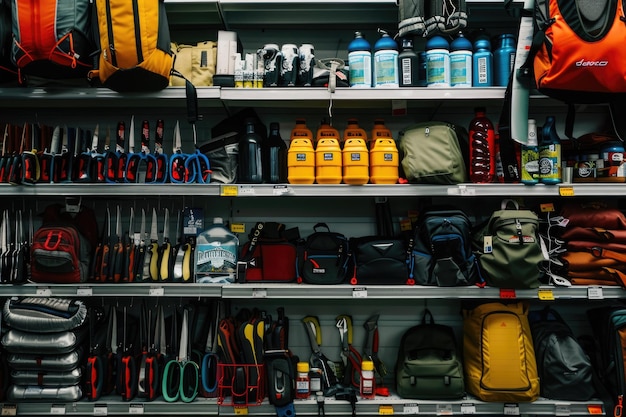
{"type": "Point", "coordinates": [165, 251]}
{"type": "Point", "coordinates": [151, 261]}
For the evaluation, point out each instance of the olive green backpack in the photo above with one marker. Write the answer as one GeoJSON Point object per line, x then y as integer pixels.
{"type": "Point", "coordinates": [509, 248]}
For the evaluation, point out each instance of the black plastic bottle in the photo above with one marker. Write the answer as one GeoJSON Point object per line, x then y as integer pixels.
{"type": "Point", "coordinates": [408, 63]}
{"type": "Point", "coordinates": [250, 165]}
{"type": "Point", "coordinates": [274, 152]}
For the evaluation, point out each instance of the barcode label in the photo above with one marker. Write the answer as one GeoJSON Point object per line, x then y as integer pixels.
{"type": "Point", "coordinates": [406, 71]}
{"type": "Point", "coordinates": [482, 70]}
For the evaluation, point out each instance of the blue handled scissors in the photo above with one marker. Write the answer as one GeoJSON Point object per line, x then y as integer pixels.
{"type": "Point", "coordinates": [197, 166]}
{"type": "Point", "coordinates": [138, 163]}
{"type": "Point", "coordinates": [178, 159]}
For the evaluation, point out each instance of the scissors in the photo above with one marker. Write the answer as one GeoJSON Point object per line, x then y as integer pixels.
{"type": "Point", "coordinates": [181, 375]}
{"type": "Point", "coordinates": [139, 163]}
{"type": "Point", "coordinates": [197, 167]}
{"type": "Point", "coordinates": [157, 166]}
{"type": "Point", "coordinates": [95, 362]}
{"type": "Point", "coordinates": [177, 168]}
{"type": "Point", "coordinates": [127, 368]}
{"type": "Point", "coordinates": [209, 368]}
{"type": "Point", "coordinates": [148, 378]}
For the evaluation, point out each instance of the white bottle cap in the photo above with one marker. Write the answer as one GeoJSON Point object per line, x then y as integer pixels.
{"type": "Point", "coordinates": [532, 133]}
{"type": "Point", "coordinates": [218, 220]}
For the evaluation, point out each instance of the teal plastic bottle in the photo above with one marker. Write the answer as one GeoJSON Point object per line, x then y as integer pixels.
{"type": "Point", "coordinates": [550, 153]}
{"type": "Point", "coordinates": [482, 68]}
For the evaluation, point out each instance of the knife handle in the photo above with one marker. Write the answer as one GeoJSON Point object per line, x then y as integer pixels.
{"type": "Point", "coordinates": [154, 261]}
{"type": "Point", "coordinates": [165, 261]}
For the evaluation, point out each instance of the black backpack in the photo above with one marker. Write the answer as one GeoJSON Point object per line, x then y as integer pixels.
{"type": "Point", "coordinates": [431, 17]}
{"type": "Point", "coordinates": [428, 365]}
{"type": "Point", "coordinates": [565, 370]}
{"type": "Point", "coordinates": [441, 252]}
{"type": "Point", "coordinates": [323, 258]}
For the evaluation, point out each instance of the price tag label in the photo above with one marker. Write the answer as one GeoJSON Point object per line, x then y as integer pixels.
{"type": "Point", "coordinates": [507, 293]}
{"type": "Point", "coordinates": [444, 409]}
{"type": "Point", "coordinates": [545, 294]}
{"type": "Point", "coordinates": [385, 410]}
{"type": "Point", "coordinates": [240, 410]}
{"type": "Point", "coordinates": [84, 291]}
{"type": "Point", "coordinates": [259, 293]}
{"type": "Point", "coordinates": [58, 409]}
{"type": "Point", "coordinates": [467, 408]}
{"type": "Point", "coordinates": [281, 189]}
{"type": "Point", "coordinates": [595, 293]}
{"type": "Point", "coordinates": [229, 190]}
{"type": "Point", "coordinates": [238, 228]}
{"type": "Point", "coordinates": [100, 410]}
{"type": "Point", "coordinates": [511, 410]}
{"type": "Point", "coordinates": [566, 191]}
{"type": "Point", "coordinates": [411, 408]}
{"type": "Point", "coordinates": [595, 409]}
{"type": "Point", "coordinates": [246, 190]}
{"type": "Point", "coordinates": [156, 291]}
{"type": "Point", "coordinates": [9, 410]}
{"type": "Point", "coordinates": [359, 293]}
{"type": "Point", "coordinates": [562, 410]}
{"type": "Point", "coordinates": [135, 409]}
{"type": "Point", "coordinates": [463, 190]}
{"type": "Point", "coordinates": [43, 292]}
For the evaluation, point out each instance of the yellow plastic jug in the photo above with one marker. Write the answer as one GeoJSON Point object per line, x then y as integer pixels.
{"type": "Point", "coordinates": [301, 131]}
{"type": "Point", "coordinates": [384, 162]}
{"type": "Point", "coordinates": [301, 162]}
{"type": "Point", "coordinates": [326, 131]}
{"type": "Point", "coordinates": [355, 161]}
{"type": "Point", "coordinates": [379, 131]}
{"type": "Point", "coordinates": [328, 161]}
{"type": "Point", "coordinates": [353, 130]}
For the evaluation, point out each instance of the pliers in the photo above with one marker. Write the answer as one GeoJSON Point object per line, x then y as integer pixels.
{"type": "Point", "coordinates": [350, 357]}
{"type": "Point", "coordinates": [318, 359]}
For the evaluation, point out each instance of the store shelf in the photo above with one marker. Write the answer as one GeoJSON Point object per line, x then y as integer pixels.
{"type": "Point", "coordinates": [112, 290]}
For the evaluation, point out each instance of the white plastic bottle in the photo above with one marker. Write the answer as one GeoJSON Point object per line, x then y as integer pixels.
{"type": "Point", "coordinates": [461, 62]}
{"type": "Point", "coordinates": [437, 62]}
{"type": "Point", "coordinates": [386, 74]}
{"type": "Point", "coordinates": [216, 254]}
{"type": "Point", "coordinates": [360, 62]}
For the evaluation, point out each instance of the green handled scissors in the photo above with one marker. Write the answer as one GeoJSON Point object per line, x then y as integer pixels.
{"type": "Point", "coordinates": [181, 375]}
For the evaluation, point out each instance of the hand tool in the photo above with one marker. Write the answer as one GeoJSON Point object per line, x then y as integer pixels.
{"type": "Point", "coordinates": [209, 374]}
{"type": "Point", "coordinates": [151, 261]}
{"type": "Point", "coordinates": [100, 260]}
{"type": "Point", "coordinates": [113, 159]}
{"type": "Point", "coordinates": [251, 337]}
{"type": "Point", "coordinates": [99, 172]}
{"type": "Point", "coordinates": [180, 377]}
{"type": "Point", "coordinates": [5, 230]}
{"type": "Point", "coordinates": [48, 157]}
{"type": "Point", "coordinates": [165, 251]}
{"type": "Point", "coordinates": [370, 349]}
{"type": "Point", "coordinates": [64, 159]}
{"type": "Point", "coordinates": [18, 258]}
{"type": "Point", "coordinates": [178, 159]}
{"type": "Point", "coordinates": [147, 163]}
{"type": "Point", "coordinates": [148, 374]}
{"type": "Point", "coordinates": [110, 374]}
{"type": "Point", "coordinates": [228, 350]}
{"type": "Point", "coordinates": [117, 253]}
{"type": "Point", "coordinates": [183, 256]}
{"type": "Point", "coordinates": [94, 372]}
{"type": "Point", "coordinates": [349, 355]}
{"type": "Point", "coordinates": [127, 368]}
{"type": "Point", "coordinates": [16, 172]}
{"type": "Point", "coordinates": [160, 160]}
{"type": "Point", "coordinates": [4, 170]}
{"type": "Point", "coordinates": [140, 249]}
{"type": "Point", "coordinates": [30, 161]}
{"type": "Point", "coordinates": [197, 167]}
{"type": "Point", "coordinates": [277, 336]}
{"type": "Point", "coordinates": [84, 170]}
{"type": "Point", "coordinates": [129, 251]}
{"type": "Point", "coordinates": [318, 359]}
{"type": "Point", "coordinates": [120, 152]}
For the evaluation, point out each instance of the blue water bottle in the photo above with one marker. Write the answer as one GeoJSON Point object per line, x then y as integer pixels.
{"type": "Point", "coordinates": [504, 60]}
{"type": "Point", "coordinates": [482, 68]}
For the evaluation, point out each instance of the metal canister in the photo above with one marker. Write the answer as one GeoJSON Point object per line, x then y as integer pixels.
{"type": "Point", "coordinates": [289, 59]}
{"type": "Point", "coordinates": [306, 64]}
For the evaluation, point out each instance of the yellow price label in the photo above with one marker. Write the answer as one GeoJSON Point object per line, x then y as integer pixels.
{"type": "Point", "coordinates": [566, 191]}
{"type": "Point", "coordinates": [238, 228]}
{"type": "Point", "coordinates": [545, 294]}
{"type": "Point", "coordinates": [229, 190]}
{"type": "Point", "coordinates": [385, 410]}
{"type": "Point", "coordinates": [241, 410]}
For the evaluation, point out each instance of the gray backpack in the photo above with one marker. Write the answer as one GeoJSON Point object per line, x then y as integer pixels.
{"type": "Point", "coordinates": [431, 17]}
{"type": "Point", "coordinates": [428, 366]}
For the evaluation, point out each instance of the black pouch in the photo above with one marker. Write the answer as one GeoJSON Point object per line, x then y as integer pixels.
{"type": "Point", "coordinates": [223, 154]}
{"type": "Point", "coordinates": [323, 259]}
{"type": "Point", "coordinates": [379, 261]}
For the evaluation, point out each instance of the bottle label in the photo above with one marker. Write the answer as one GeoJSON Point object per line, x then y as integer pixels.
{"type": "Point", "coordinates": [386, 65]}
{"type": "Point", "coordinates": [406, 71]}
{"type": "Point", "coordinates": [550, 162]}
{"type": "Point", "coordinates": [301, 157]}
{"type": "Point", "coordinates": [360, 69]}
{"type": "Point", "coordinates": [530, 165]}
{"type": "Point", "coordinates": [355, 156]}
{"type": "Point", "coordinates": [482, 70]}
{"type": "Point", "coordinates": [216, 258]}
{"type": "Point", "coordinates": [437, 68]}
{"type": "Point", "coordinates": [461, 70]}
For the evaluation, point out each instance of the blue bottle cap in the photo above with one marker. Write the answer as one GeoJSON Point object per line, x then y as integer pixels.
{"type": "Point", "coordinates": [437, 42]}
{"type": "Point", "coordinates": [359, 43]}
{"type": "Point", "coordinates": [482, 44]}
{"type": "Point", "coordinates": [385, 42]}
{"type": "Point", "coordinates": [461, 44]}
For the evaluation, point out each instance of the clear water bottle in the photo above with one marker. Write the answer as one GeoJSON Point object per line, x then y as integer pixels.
{"type": "Point", "coordinates": [482, 68]}
{"type": "Point", "coordinates": [504, 60]}
{"type": "Point", "coordinates": [250, 169]}
{"type": "Point", "coordinates": [360, 62]}
{"type": "Point", "coordinates": [216, 254]}
{"type": "Point", "coordinates": [274, 153]}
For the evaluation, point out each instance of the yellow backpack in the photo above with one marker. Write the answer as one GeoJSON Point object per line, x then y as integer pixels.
{"type": "Point", "coordinates": [498, 353]}
{"type": "Point", "coordinates": [134, 42]}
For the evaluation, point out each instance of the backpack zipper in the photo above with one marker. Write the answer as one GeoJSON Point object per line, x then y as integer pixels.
{"type": "Point", "coordinates": [110, 34]}
{"type": "Point", "coordinates": [137, 22]}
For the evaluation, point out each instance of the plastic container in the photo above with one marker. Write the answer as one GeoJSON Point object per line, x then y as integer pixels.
{"type": "Point", "coordinates": [274, 153]}
{"type": "Point", "coordinates": [613, 156]}
{"type": "Point", "coordinates": [437, 62]}
{"type": "Point", "coordinates": [360, 62]}
{"type": "Point", "coordinates": [384, 161]}
{"type": "Point", "coordinates": [482, 148]}
{"type": "Point", "coordinates": [386, 72]}
{"type": "Point", "coordinates": [250, 168]}
{"type": "Point", "coordinates": [550, 153]}
{"type": "Point", "coordinates": [328, 161]}
{"type": "Point", "coordinates": [355, 159]}
{"type": "Point", "coordinates": [303, 383]}
{"type": "Point", "coordinates": [216, 254]}
{"type": "Point", "coordinates": [503, 60]}
{"type": "Point", "coordinates": [530, 156]}
{"type": "Point", "coordinates": [326, 131]}
{"type": "Point", "coordinates": [408, 64]}
{"type": "Point", "coordinates": [301, 131]}
{"type": "Point", "coordinates": [379, 131]}
{"type": "Point", "coordinates": [461, 62]}
{"type": "Point", "coordinates": [301, 162]}
{"type": "Point", "coordinates": [368, 382]}
{"type": "Point", "coordinates": [482, 64]}
{"type": "Point", "coordinates": [353, 130]}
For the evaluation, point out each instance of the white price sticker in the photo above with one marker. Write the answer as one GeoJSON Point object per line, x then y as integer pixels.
{"type": "Point", "coordinates": [84, 291]}
{"type": "Point", "coordinates": [135, 409]}
{"type": "Point", "coordinates": [246, 190]}
{"type": "Point", "coordinates": [467, 408]}
{"type": "Point", "coordinates": [595, 293]}
{"type": "Point", "coordinates": [156, 291]}
{"type": "Point", "coordinates": [511, 410]}
{"type": "Point", "coordinates": [411, 408]}
{"type": "Point", "coordinates": [57, 409]}
{"type": "Point", "coordinates": [562, 410]}
{"type": "Point", "coordinates": [259, 293]}
{"type": "Point", "coordinates": [44, 292]}
{"type": "Point", "coordinates": [100, 410]}
{"type": "Point", "coordinates": [444, 409]}
{"type": "Point", "coordinates": [9, 410]}
{"type": "Point", "coordinates": [359, 293]}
